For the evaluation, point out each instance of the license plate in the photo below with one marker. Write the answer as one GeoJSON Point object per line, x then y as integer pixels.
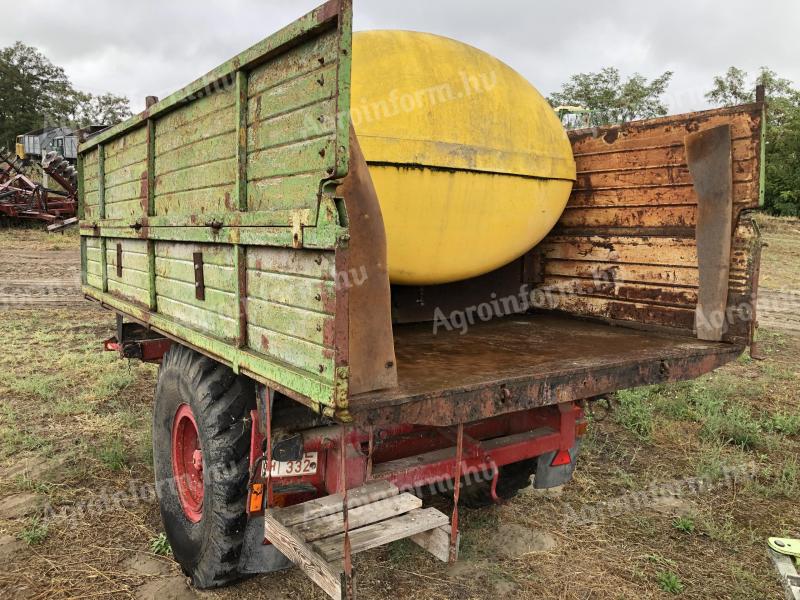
{"type": "Point", "coordinates": [307, 465]}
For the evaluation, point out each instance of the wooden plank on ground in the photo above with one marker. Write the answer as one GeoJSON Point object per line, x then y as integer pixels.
{"type": "Point", "coordinates": [437, 542]}
{"type": "Point", "coordinates": [379, 534]}
{"type": "Point", "coordinates": [329, 505]}
{"type": "Point", "coordinates": [319, 571]}
{"type": "Point", "coordinates": [358, 517]}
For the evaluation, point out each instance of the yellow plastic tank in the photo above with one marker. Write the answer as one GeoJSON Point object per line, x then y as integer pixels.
{"type": "Point", "coordinates": [471, 165]}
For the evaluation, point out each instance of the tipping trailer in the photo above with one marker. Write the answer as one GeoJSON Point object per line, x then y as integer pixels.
{"type": "Point", "coordinates": [234, 229]}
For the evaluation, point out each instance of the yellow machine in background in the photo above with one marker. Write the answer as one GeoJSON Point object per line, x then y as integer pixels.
{"type": "Point", "coordinates": [471, 164]}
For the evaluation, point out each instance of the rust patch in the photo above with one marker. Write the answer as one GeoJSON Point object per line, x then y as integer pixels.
{"type": "Point", "coordinates": [329, 332]}
{"type": "Point", "coordinates": [611, 136]}
{"type": "Point", "coordinates": [328, 300]}
{"type": "Point", "coordinates": [264, 343]}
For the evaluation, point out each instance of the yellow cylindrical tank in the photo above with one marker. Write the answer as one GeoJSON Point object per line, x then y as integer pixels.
{"type": "Point", "coordinates": [471, 165]}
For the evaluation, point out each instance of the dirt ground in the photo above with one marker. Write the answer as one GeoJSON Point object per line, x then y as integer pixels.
{"type": "Point", "coordinates": [676, 491]}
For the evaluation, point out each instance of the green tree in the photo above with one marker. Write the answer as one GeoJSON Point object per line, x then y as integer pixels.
{"type": "Point", "coordinates": [782, 136]}
{"type": "Point", "coordinates": [612, 99]}
{"type": "Point", "coordinates": [105, 109]}
{"type": "Point", "coordinates": [36, 93]}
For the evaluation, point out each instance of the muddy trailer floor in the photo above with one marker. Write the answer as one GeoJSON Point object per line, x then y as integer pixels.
{"type": "Point", "coordinates": [526, 361]}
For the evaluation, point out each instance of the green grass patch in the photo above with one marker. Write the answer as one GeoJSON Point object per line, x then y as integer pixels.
{"type": "Point", "coordinates": [635, 412]}
{"type": "Point", "coordinates": [160, 546]}
{"type": "Point", "coordinates": [113, 454]}
{"type": "Point", "coordinates": [684, 524]}
{"type": "Point", "coordinates": [34, 532]}
{"type": "Point", "coordinates": [670, 582]}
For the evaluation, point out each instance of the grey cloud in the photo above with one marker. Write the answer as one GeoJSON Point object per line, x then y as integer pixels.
{"type": "Point", "coordinates": [154, 47]}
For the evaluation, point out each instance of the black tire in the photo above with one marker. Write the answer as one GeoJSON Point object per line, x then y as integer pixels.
{"type": "Point", "coordinates": [513, 478]}
{"type": "Point", "coordinates": [208, 551]}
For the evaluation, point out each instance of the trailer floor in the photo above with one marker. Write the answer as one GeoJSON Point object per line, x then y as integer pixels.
{"type": "Point", "coordinates": [519, 362]}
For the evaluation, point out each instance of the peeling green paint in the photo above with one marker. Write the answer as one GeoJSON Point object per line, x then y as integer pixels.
{"type": "Point", "coordinates": [239, 166]}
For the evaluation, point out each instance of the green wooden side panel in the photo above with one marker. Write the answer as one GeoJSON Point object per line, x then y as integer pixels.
{"type": "Point", "coordinates": [125, 176]}
{"type": "Point", "coordinates": [91, 184]}
{"type": "Point", "coordinates": [196, 157]}
{"type": "Point", "coordinates": [235, 172]}
{"type": "Point", "coordinates": [94, 269]}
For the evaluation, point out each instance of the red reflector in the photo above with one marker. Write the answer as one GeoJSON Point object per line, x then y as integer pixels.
{"type": "Point", "coordinates": [561, 459]}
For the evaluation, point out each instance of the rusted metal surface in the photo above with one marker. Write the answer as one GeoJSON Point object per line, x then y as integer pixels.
{"type": "Point", "coordinates": [369, 339]}
{"type": "Point", "coordinates": [23, 198]}
{"type": "Point", "coordinates": [625, 247]}
{"type": "Point", "coordinates": [521, 362]}
{"type": "Point", "coordinates": [708, 155]}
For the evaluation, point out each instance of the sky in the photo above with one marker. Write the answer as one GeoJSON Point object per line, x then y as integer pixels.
{"type": "Point", "coordinates": [153, 47]}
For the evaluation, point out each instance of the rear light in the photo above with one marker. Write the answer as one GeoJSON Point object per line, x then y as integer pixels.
{"type": "Point", "coordinates": [562, 458]}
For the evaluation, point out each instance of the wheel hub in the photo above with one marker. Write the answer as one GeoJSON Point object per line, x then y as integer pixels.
{"type": "Point", "coordinates": [187, 463]}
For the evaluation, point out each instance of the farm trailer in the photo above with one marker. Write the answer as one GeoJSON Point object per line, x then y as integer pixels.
{"type": "Point", "coordinates": [234, 229]}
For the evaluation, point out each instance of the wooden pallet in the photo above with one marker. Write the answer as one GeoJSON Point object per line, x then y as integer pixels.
{"type": "Point", "coordinates": [311, 534]}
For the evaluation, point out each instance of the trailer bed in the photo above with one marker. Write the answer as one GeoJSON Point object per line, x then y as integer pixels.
{"type": "Point", "coordinates": [525, 361]}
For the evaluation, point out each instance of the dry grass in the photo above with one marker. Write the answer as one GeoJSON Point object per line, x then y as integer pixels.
{"type": "Point", "coordinates": [74, 428]}
{"type": "Point", "coordinates": [780, 268]}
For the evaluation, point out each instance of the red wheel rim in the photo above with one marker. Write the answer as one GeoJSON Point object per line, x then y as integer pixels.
{"type": "Point", "coordinates": [187, 463]}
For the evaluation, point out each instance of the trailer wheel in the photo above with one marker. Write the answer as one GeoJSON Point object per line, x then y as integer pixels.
{"type": "Point", "coordinates": [513, 478]}
{"type": "Point", "coordinates": [201, 441]}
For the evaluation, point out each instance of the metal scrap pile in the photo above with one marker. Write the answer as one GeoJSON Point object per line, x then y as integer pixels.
{"type": "Point", "coordinates": [23, 198]}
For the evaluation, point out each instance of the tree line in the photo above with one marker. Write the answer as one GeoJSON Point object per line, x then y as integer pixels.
{"type": "Point", "coordinates": [612, 99]}
{"type": "Point", "coordinates": [35, 93]}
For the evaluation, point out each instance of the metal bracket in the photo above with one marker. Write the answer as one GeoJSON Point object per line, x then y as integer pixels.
{"type": "Point", "coordinates": [199, 280]}
{"type": "Point", "coordinates": [119, 259]}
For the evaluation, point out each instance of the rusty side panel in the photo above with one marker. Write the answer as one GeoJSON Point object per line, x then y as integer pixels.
{"type": "Point", "coordinates": [625, 247]}
{"type": "Point", "coordinates": [211, 217]}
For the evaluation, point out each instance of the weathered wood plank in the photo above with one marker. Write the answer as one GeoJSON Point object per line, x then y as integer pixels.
{"type": "Point", "coordinates": [201, 152]}
{"type": "Point", "coordinates": [304, 90]}
{"type": "Point", "coordinates": [129, 210]}
{"type": "Point", "coordinates": [315, 155]}
{"type": "Point", "coordinates": [313, 327]}
{"type": "Point", "coordinates": [743, 193]}
{"type": "Point", "coordinates": [206, 126]}
{"type": "Point", "coordinates": [127, 291]}
{"type": "Point", "coordinates": [308, 356]}
{"type": "Point", "coordinates": [130, 155]}
{"type": "Point", "coordinates": [286, 261]}
{"type": "Point", "coordinates": [216, 301]}
{"type": "Point", "coordinates": [437, 542]}
{"type": "Point", "coordinates": [208, 200]}
{"type": "Point", "coordinates": [196, 318]}
{"type": "Point", "coordinates": [289, 543]}
{"type": "Point", "coordinates": [133, 137]}
{"type": "Point", "coordinates": [286, 191]}
{"type": "Point", "coordinates": [640, 216]}
{"type": "Point", "coordinates": [329, 505]}
{"type": "Point", "coordinates": [220, 172]}
{"type": "Point", "coordinates": [616, 249]}
{"type": "Point", "coordinates": [633, 292]}
{"type": "Point", "coordinates": [317, 120]}
{"type": "Point", "coordinates": [380, 534]}
{"type": "Point", "coordinates": [181, 126]}
{"type": "Point", "coordinates": [621, 272]}
{"type": "Point", "coordinates": [215, 276]}
{"type": "Point", "coordinates": [301, 292]}
{"type": "Point", "coordinates": [308, 56]}
{"type": "Point", "coordinates": [358, 517]}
